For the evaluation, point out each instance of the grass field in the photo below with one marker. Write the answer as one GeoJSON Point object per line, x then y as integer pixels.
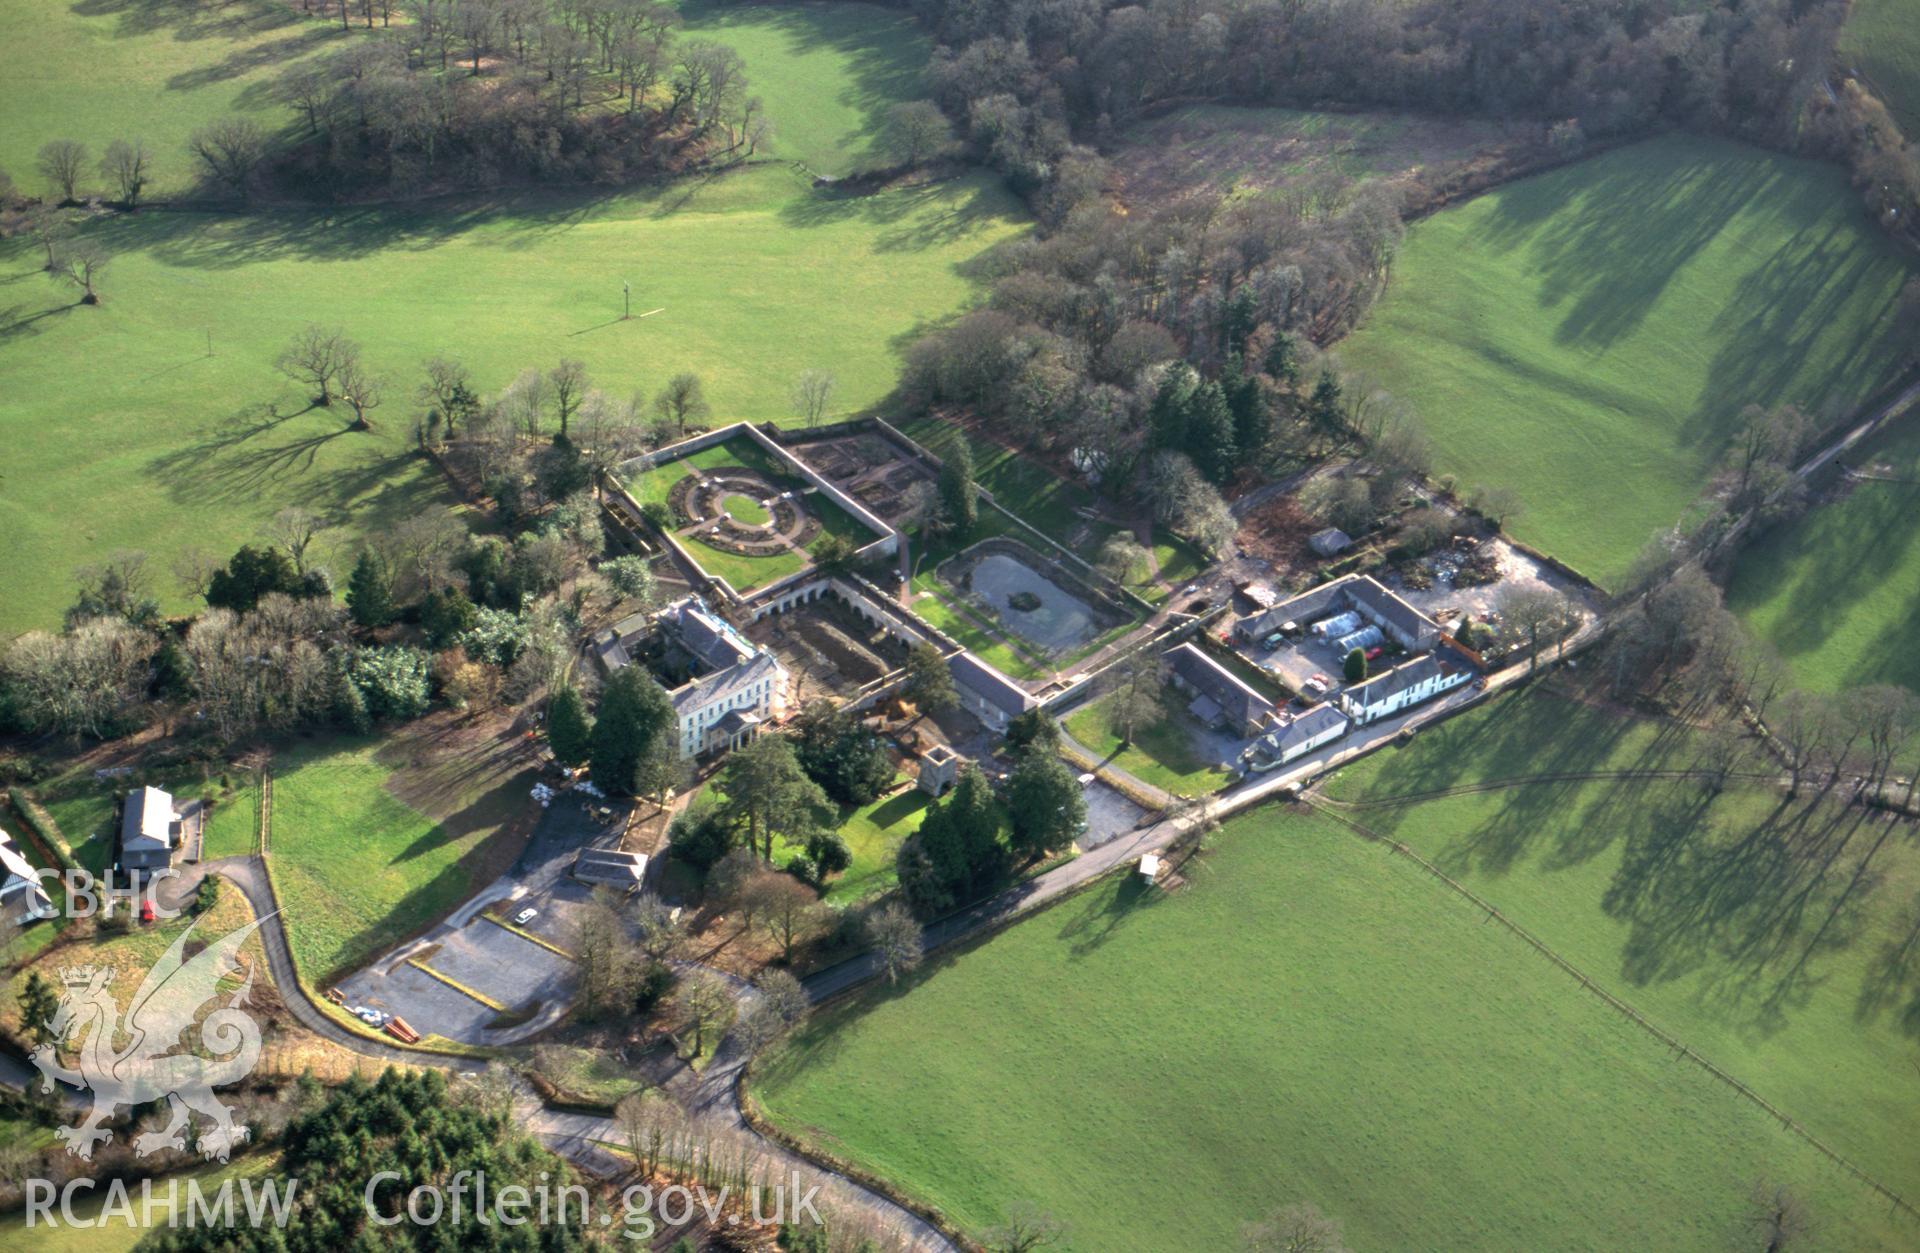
{"type": "Point", "coordinates": [1169, 754]}
{"type": "Point", "coordinates": [125, 69]}
{"type": "Point", "coordinates": [1589, 337]}
{"type": "Point", "coordinates": [1314, 1020]}
{"type": "Point", "coordinates": [828, 73]}
{"type": "Point", "coordinates": [1779, 939]}
{"type": "Point", "coordinates": [358, 868]}
{"type": "Point", "coordinates": [190, 448]}
{"type": "Point", "coordinates": [1882, 41]}
{"type": "Point", "coordinates": [1836, 590]}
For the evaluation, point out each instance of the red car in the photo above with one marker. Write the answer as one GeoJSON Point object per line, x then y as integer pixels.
{"type": "Point", "coordinates": [146, 911]}
{"type": "Point", "coordinates": [1373, 654]}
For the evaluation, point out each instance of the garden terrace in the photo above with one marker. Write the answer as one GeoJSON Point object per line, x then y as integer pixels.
{"type": "Point", "coordinates": [743, 510]}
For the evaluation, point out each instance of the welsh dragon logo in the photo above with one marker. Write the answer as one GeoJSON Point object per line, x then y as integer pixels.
{"type": "Point", "coordinates": [165, 1009]}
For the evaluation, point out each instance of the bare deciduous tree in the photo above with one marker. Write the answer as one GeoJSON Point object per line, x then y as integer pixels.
{"type": "Point", "coordinates": [60, 162]}
{"type": "Point", "coordinates": [681, 401]}
{"type": "Point", "coordinates": [193, 569]}
{"type": "Point", "coordinates": [81, 264]}
{"type": "Point", "coordinates": [1295, 1229]}
{"type": "Point", "coordinates": [362, 390]}
{"type": "Point", "coordinates": [127, 164]}
{"type": "Point", "coordinates": [703, 1004]}
{"type": "Point", "coordinates": [294, 529]}
{"type": "Point", "coordinates": [316, 358]}
{"type": "Point", "coordinates": [895, 937]}
{"type": "Point", "coordinates": [569, 383]}
{"type": "Point", "coordinates": [1533, 612]}
{"type": "Point", "coordinates": [1778, 1220]}
{"type": "Point", "coordinates": [229, 152]}
{"type": "Point", "coordinates": [1027, 1228]}
{"type": "Point", "coordinates": [812, 393]}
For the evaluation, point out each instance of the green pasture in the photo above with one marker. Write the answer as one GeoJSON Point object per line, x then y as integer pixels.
{"type": "Point", "coordinates": [124, 433]}
{"type": "Point", "coordinates": [1169, 753]}
{"type": "Point", "coordinates": [827, 72]}
{"type": "Point", "coordinates": [1881, 41]}
{"type": "Point", "coordinates": [1780, 938]}
{"type": "Point", "coordinates": [1836, 590]}
{"type": "Point", "coordinates": [1313, 1020]}
{"type": "Point", "coordinates": [100, 70]}
{"type": "Point", "coordinates": [1589, 337]}
{"type": "Point", "coordinates": [357, 869]}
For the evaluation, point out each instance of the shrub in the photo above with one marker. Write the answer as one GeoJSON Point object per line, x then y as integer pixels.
{"type": "Point", "coordinates": [393, 681]}
{"type": "Point", "coordinates": [1356, 666]}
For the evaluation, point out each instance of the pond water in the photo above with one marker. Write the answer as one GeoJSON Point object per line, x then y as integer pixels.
{"type": "Point", "coordinates": [1061, 621]}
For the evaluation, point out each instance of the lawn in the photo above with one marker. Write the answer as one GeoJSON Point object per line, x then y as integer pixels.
{"type": "Point", "coordinates": [1589, 337]}
{"type": "Point", "coordinates": [99, 72]}
{"type": "Point", "coordinates": [1170, 754]}
{"type": "Point", "coordinates": [233, 828]}
{"type": "Point", "coordinates": [828, 73]}
{"type": "Point", "coordinates": [84, 805]}
{"type": "Point", "coordinates": [1313, 1020]}
{"type": "Point", "coordinates": [185, 448]}
{"type": "Point", "coordinates": [1881, 40]}
{"type": "Point", "coordinates": [1836, 590]}
{"type": "Point", "coordinates": [1779, 939]}
{"type": "Point", "coordinates": [874, 834]}
{"type": "Point", "coordinates": [358, 869]}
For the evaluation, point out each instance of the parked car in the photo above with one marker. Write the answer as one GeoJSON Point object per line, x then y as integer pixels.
{"type": "Point", "coordinates": [146, 910]}
{"type": "Point", "coordinates": [526, 916]}
{"type": "Point", "coordinates": [1373, 654]}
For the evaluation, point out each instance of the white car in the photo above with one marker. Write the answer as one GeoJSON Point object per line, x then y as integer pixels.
{"type": "Point", "coordinates": [373, 1017]}
{"type": "Point", "coordinates": [526, 916]}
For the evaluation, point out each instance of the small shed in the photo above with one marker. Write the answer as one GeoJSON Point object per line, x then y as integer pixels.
{"type": "Point", "coordinates": [1149, 866]}
{"type": "Point", "coordinates": [1331, 542]}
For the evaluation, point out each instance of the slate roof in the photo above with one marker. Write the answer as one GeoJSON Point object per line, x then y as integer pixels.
{"type": "Point", "coordinates": [1308, 726]}
{"type": "Point", "coordinates": [989, 684]}
{"type": "Point", "coordinates": [1381, 687]}
{"type": "Point", "coordinates": [1219, 684]}
{"type": "Point", "coordinates": [1363, 590]}
{"type": "Point", "coordinates": [708, 636]}
{"type": "Point", "coordinates": [146, 823]}
{"type": "Point", "coordinates": [711, 688]}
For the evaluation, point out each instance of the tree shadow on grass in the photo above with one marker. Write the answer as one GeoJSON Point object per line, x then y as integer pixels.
{"type": "Point", "coordinates": [267, 54]}
{"type": "Point", "coordinates": [1750, 909]}
{"type": "Point", "coordinates": [1096, 917]}
{"type": "Point", "coordinates": [189, 22]}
